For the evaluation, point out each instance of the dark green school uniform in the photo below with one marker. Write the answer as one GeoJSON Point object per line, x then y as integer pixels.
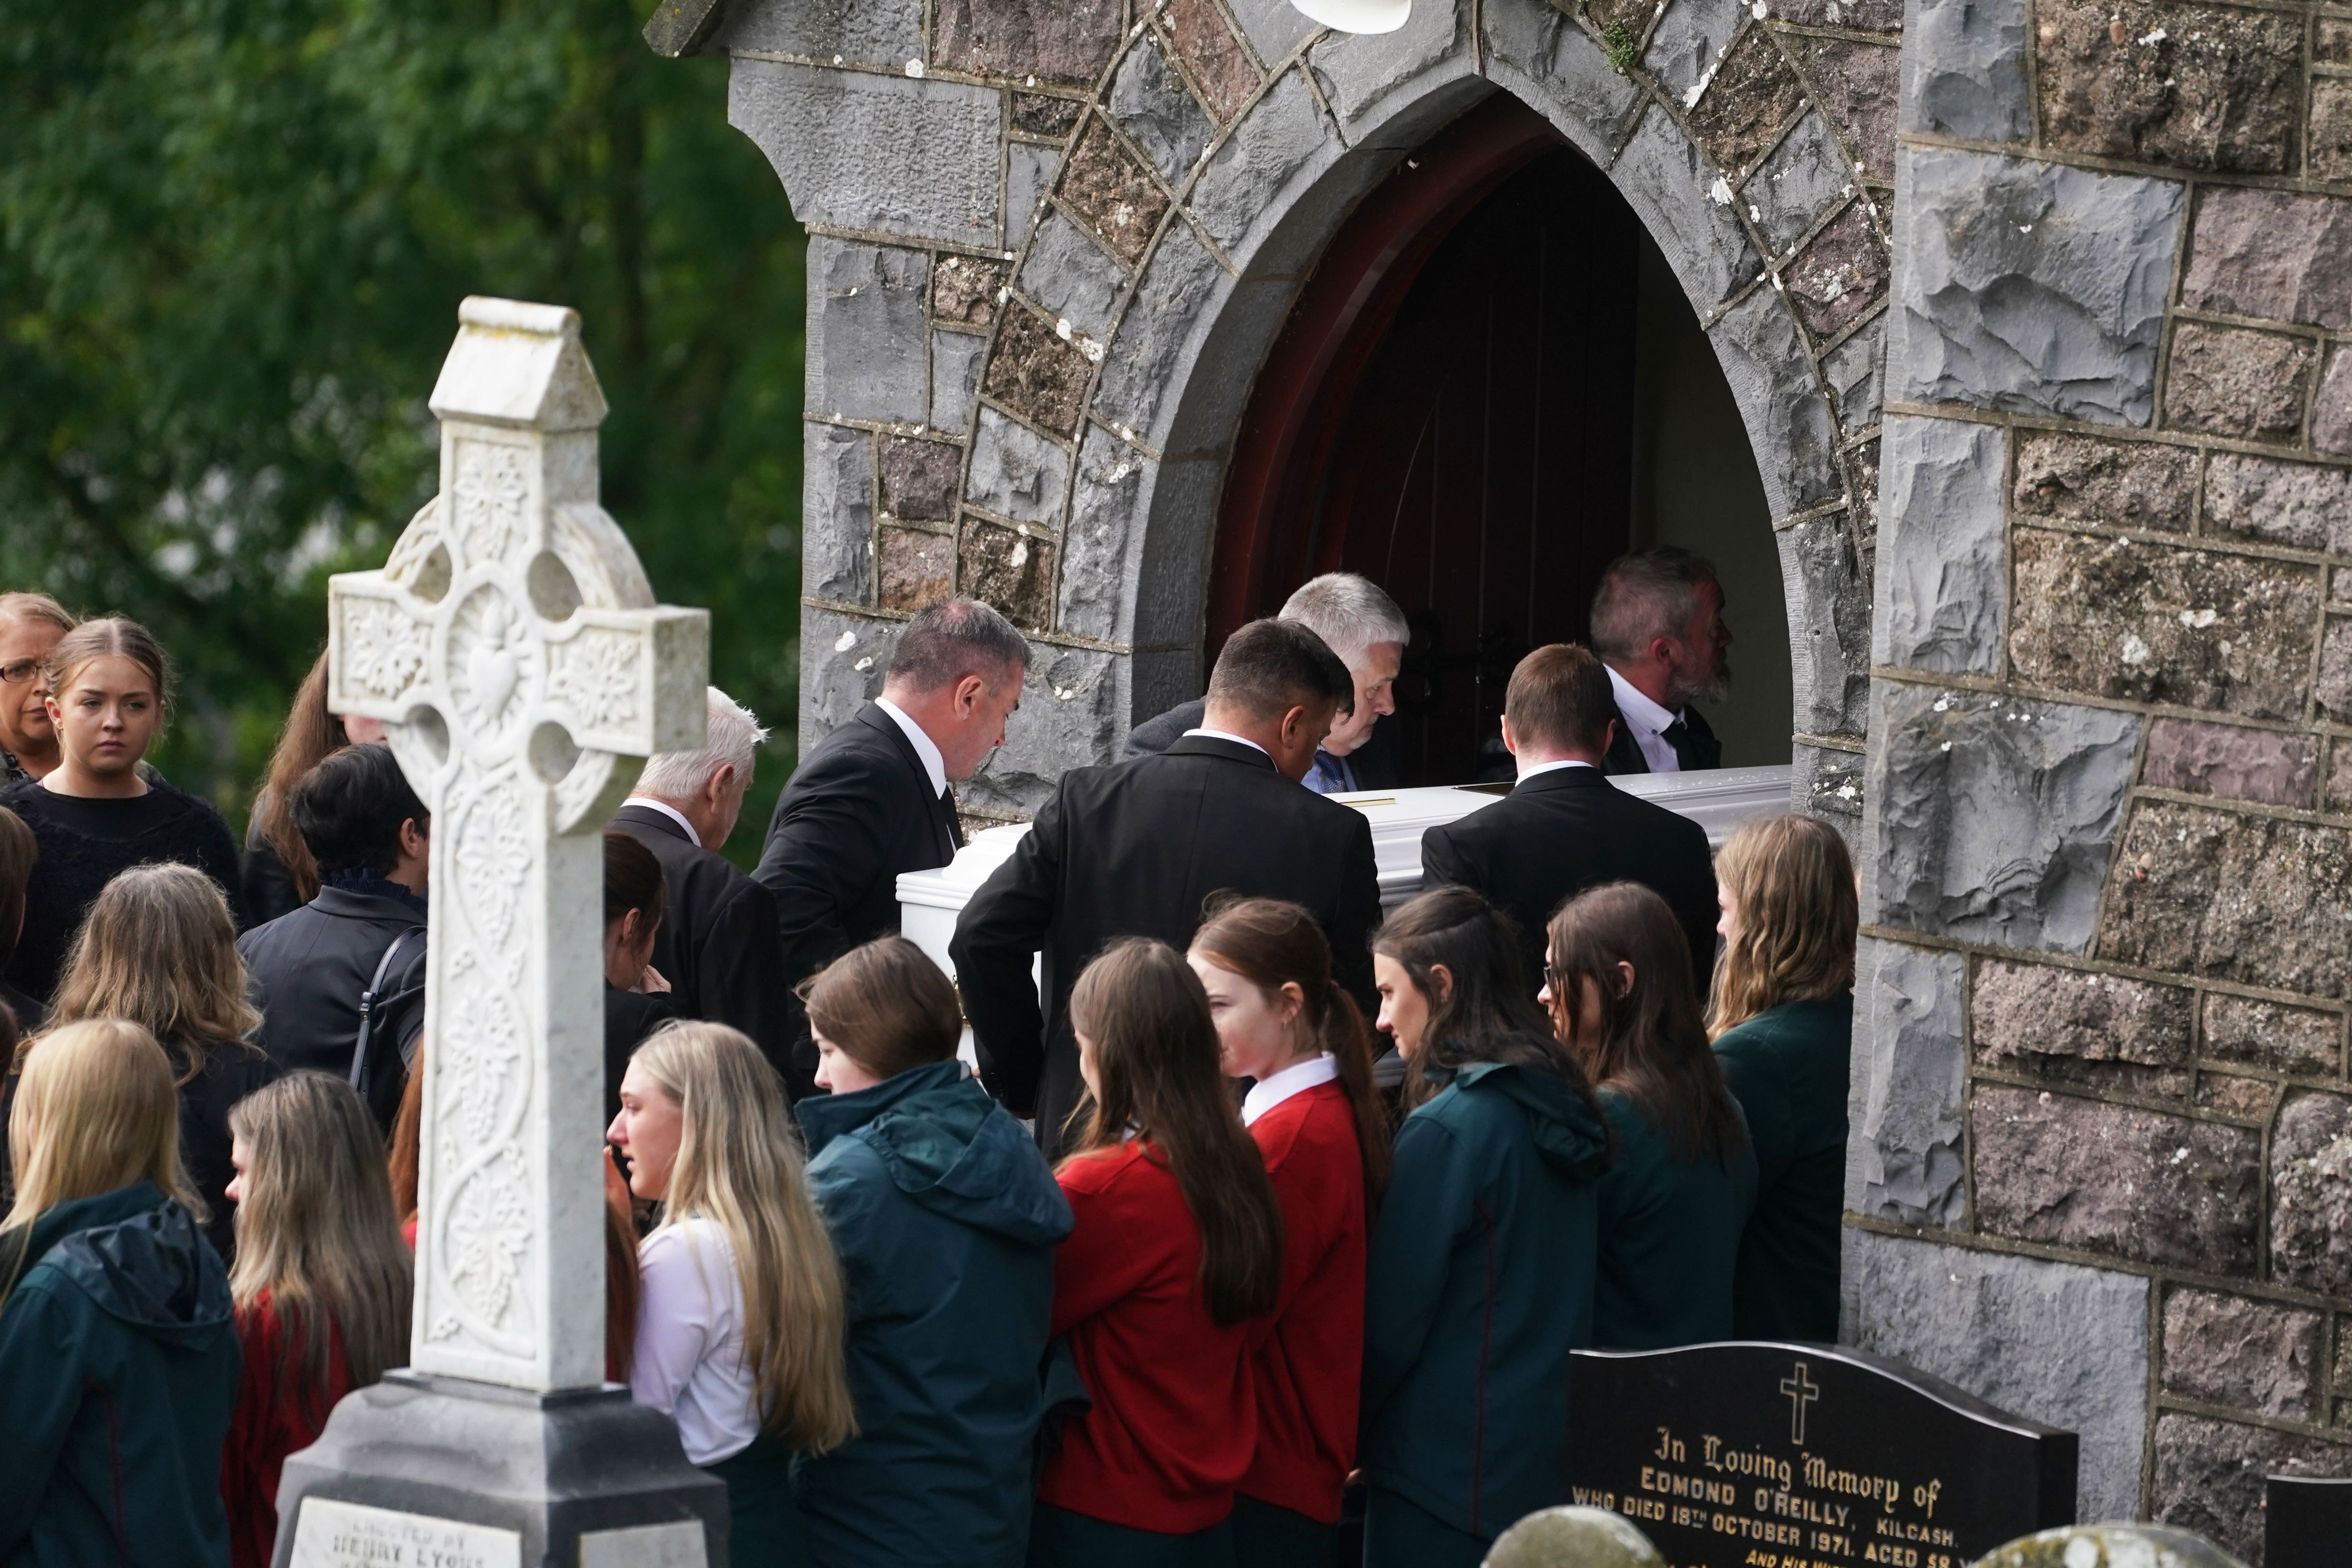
{"type": "Point", "coordinates": [1669, 1236]}
{"type": "Point", "coordinates": [1787, 1066]}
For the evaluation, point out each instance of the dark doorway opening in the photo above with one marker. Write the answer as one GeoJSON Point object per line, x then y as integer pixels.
{"type": "Point", "coordinates": [1459, 408]}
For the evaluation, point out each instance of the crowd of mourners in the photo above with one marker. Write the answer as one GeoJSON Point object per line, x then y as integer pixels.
{"type": "Point", "coordinates": [1291, 1264]}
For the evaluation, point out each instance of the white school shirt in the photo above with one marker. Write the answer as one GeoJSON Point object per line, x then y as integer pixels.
{"type": "Point", "coordinates": [1648, 721]}
{"type": "Point", "coordinates": [1296, 1079]}
{"type": "Point", "coordinates": [689, 1360]}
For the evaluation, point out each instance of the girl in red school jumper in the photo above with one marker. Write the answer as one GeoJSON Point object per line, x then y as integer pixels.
{"type": "Point", "coordinates": [1319, 1120]}
{"type": "Point", "coordinates": [1178, 1249]}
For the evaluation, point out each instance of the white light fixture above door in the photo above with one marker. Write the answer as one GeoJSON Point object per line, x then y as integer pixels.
{"type": "Point", "coordinates": [1356, 15]}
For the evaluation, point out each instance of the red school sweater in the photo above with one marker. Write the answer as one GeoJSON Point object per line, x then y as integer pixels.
{"type": "Point", "coordinates": [1172, 1428]}
{"type": "Point", "coordinates": [1309, 1373]}
{"type": "Point", "coordinates": [273, 1419]}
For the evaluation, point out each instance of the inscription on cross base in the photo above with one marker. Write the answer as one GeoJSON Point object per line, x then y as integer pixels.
{"type": "Point", "coordinates": [513, 649]}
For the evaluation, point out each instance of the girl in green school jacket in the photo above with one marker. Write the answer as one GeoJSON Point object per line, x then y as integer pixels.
{"type": "Point", "coordinates": [1479, 1279]}
{"type": "Point", "coordinates": [1618, 981]}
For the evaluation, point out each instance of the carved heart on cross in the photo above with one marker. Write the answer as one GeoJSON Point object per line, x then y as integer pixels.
{"type": "Point", "coordinates": [491, 671]}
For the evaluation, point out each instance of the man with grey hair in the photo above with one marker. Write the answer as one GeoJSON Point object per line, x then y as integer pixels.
{"type": "Point", "coordinates": [1365, 629]}
{"type": "Point", "coordinates": [1658, 625]}
{"type": "Point", "coordinates": [871, 800]}
{"type": "Point", "coordinates": [716, 944]}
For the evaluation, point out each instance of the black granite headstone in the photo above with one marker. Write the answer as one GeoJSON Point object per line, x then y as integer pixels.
{"type": "Point", "coordinates": [1786, 1456]}
{"type": "Point", "coordinates": [2308, 1522]}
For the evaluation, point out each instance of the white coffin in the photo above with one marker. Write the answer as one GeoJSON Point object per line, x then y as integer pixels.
{"type": "Point", "coordinates": [1718, 800]}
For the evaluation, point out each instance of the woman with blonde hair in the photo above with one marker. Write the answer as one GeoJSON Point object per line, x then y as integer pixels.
{"type": "Point", "coordinates": [740, 1315]}
{"type": "Point", "coordinates": [97, 813]}
{"type": "Point", "coordinates": [159, 948]}
{"type": "Point", "coordinates": [118, 1355]}
{"type": "Point", "coordinates": [321, 1284]}
{"type": "Point", "coordinates": [1782, 1019]}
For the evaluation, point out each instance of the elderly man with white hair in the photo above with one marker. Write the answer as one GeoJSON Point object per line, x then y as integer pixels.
{"type": "Point", "coordinates": [1365, 629]}
{"type": "Point", "coordinates": [718, 946]}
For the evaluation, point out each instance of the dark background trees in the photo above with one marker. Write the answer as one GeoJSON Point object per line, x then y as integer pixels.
{"type": "Point", "coordinates": [233, 237]}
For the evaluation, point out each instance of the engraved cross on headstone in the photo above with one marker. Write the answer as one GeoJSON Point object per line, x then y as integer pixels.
{"type": "Point", "coordinates": [1801, 1392]}
{"type": "Point", "coordinates": [513, 649]}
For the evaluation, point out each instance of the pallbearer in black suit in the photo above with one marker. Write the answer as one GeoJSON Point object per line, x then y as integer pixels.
{"type": "Point", "coordinates": [1565, 828]}
{"type": "Point", "coordinates": [871, 800]}
{"type": "Point", "coordinates": [1136, 849]}
{"type": "Point", "coordinates": [1657, 623]}
{"type": "Point", "coordinates": [716, 944]}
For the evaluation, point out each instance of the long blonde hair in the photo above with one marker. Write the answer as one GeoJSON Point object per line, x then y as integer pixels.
{"type": "Point", "coordinates": [159, 948]}
{"type": "Point", "coordinates": [316, 1230]}
{"type": "Point", "coordinates": [95, 1109]}
{"type": "Point", "coordinates": [1794, 914]}
{"type": "Point", "coordinates": [739, 1166]}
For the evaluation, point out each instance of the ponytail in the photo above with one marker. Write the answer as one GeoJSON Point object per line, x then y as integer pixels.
{"type": "Point", "coordinates": [1271, 943]}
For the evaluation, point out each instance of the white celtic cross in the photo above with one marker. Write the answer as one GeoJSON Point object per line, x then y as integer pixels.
{"type": "Point", "coordinates": [512, 646]}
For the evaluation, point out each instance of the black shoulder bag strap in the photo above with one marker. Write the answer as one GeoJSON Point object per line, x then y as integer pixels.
{"type": "Point", "coordinates": [374, 1004]}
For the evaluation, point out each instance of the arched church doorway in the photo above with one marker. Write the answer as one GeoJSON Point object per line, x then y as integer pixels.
{"type": "Point", "coordinates": [1491, 386]}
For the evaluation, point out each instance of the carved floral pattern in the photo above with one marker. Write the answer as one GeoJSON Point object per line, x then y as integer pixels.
{"type": "Point", "coordinates": [492, 488]}
{"type": "Point", "coordinates": [595, 675]}
{"type": "Point", "coordinates": [384, 647]}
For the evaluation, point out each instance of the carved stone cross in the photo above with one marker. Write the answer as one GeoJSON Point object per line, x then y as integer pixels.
{"type": "Point", "coordinates": [512, 646]}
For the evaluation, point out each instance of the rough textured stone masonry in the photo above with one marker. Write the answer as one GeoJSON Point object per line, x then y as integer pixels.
{"type": "Point", "coordinates": [2101, 259]}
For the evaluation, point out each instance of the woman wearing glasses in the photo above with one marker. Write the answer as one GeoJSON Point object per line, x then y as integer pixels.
{"type": "Point", "coordinates": [30, 626]}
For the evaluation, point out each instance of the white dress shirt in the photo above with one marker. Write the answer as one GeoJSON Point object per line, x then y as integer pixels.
{"type": "Point", "coordinates": [689, 1360]}
{"type": "Point", "coordinates": [1529, 770]}
{"type": "Point", "coordinates": [1237, 739]}
{"type": "Point", "coordinates": [1296, 1079]}
{"type": "Point", "coordinates": [1648, 722]}
{"type": "Point", "coordinates": [934, 764]}
{"type": "Point", "coordinates": [650, 804]}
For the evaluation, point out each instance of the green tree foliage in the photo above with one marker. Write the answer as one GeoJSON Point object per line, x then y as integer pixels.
{"type": "Point", "coordinates": [233, 238]}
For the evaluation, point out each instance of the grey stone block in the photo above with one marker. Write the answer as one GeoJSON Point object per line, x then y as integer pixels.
{"type": "Point", "coordinates": [866, 331]}
{"type": "Point", "coordinates": [837, 503]}
{"type": "Point", "coordinates": [2033, 288]}
{"type": "Point", "coordinates": [1801, 180]}
{"type": "Point", "coordinates": [1161, 679]}
{"type": "Point", "coordinates": [1357, 70]}
{"type": "Point", "coordinates": [1909, 1076]}
{"type": "Point", "coordinates": [1153, 106]}
{"type": "Point", "coordinates": [1943, 562]}
{"type": "Point", "coordinates": [1855, 369]}
{"type": "Point", "coordinates": [1275, 27]}
{"type": "Point", "coordinates": [1028, 174]}
{"type": "Point", "coordinates": [1964, 69]}
{"type": "Point", "coordinates": [1072, 277]}
{"type": "Point", "coordinates": [893, 154]}
{"type": "Point", "coordinates": [1015, 472]}
{"type": "Point", "coordinates": [1686, 208]}
{"type": "Point", "coordinates": [856, 31]}
{"type": "Point", "coordinates": [1243, 329]}
{"type": "Point", "coordinates": [1071, 715]}
{"type": "Point", "coordinates": [1828, 625]}
{"type": "Point", "coordinates": [1536, 50]}
{"type": "Point", "coordinates": [2050, 1342]}
{"type": "Point", "coordinates": [1993, 817]}
{"type": "Point", "coordinates": [843, 660]}
{"type": "Point", "coordinates": [1150, 360]}
{"type": "Point", "coordinates": [1763, 357]}
{"type": "Point", "coordinates": [956, 359]}
{"type": "Point", "coordinates": [1689, 43]}
{"type": "Point", "coordinates": [1121, 502]}
{"type": "Point", "coordinates": [1239, 196]}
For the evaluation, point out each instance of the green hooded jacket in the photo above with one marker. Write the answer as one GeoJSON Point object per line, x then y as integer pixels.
{"type": "Point", "coordinates": [945, 1217]}
{"type": "Point", "coordinates": [1478, 1284]}
{"type": "Point", "coordinates": [1787, 1068]}
{"type": "Point", "coordinates": [120, 1362]}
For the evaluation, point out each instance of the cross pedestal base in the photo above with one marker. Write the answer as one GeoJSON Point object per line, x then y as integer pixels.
{"type": "Point", "coordinates": [454, 1474]}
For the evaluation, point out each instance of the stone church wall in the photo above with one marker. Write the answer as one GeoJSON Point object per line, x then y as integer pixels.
{"type": "Point", "coordinates": [2097, 629]}
{"type": "Point", "coordinates": [2102, 1159]}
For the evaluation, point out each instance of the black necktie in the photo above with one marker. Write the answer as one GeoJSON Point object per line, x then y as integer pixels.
{"type": "Point", "coordinates": [1692, 752]}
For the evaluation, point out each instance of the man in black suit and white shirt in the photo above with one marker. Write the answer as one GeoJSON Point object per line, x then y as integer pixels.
{"type": "Point", "coordinates": [871, 800]}
{"type": "Point", "coordinates": [716, 945]}
{"type": "Point", "coordinates": [1657, 624]}
{"type": "Point", "coordinates": [1564, 827]}
{"type": "Point", "coordinates": [1135, 848]}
